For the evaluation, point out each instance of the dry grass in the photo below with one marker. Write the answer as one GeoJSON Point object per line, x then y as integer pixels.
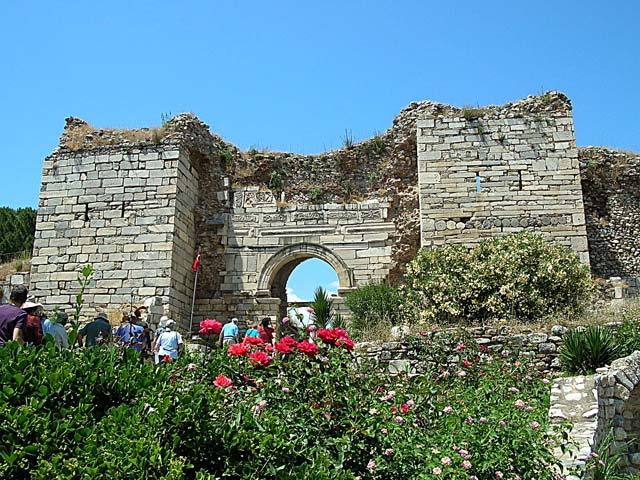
{"type": "Point", "coordinates": [14, 266]}
{"type": "Point", "coordinates": [378, 333]}
{"type": "Point", "coordinates": [245, 172]}
{"type": "Point", "coordinates": [629, 309]}
{"type": "Point", "coordinates": [86, 136]}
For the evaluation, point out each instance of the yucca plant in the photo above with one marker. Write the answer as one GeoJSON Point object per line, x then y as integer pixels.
{"type": "Point", "coordinates": [339, 321]}
{"type": "Point", "coordinates": [322, 308]}
{"type": "Point", "coordinates": [586, 349]}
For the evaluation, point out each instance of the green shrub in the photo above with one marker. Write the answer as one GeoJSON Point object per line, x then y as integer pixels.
{"type": "Point", "coordinates": [97, 413]}
{"type": "Point", "coordinates": [588, 348]}
{"type": "Point", "coordinates": [519, 276]}
{"type": "Point", "coordinates": [374, 305]}
{"type": "Point", "coordinates": [628, 334]}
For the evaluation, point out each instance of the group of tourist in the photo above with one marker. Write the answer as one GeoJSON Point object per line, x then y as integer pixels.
{"type": "Point", "coordinates": [230, 333]}
{"type": "Point", "coordinates": [23, 320]}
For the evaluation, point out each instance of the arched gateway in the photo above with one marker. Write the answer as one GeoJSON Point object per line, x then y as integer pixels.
{"type": "Point", "coordinates": [275, 274]}
{"type": "Point", "coordinates": [266, 242]}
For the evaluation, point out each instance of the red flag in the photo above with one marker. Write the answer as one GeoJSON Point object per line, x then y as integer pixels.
{"type": "Point", "coordinates": [196, 262]}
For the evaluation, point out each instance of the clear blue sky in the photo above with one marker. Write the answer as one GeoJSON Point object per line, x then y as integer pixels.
{"type": "Point", "coordinates": [292, 75]}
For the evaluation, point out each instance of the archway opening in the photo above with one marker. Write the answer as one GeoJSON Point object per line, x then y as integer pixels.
{"type": "Point", "coordinates": [302, 284]}
{"type": "Point", "coordinates": [295, 283]}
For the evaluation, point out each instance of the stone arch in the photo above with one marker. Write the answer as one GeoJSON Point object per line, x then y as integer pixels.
{"type": "Point", "coordinates": [282, 263]}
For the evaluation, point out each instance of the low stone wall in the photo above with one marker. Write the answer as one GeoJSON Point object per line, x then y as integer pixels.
{"type": "Point", "coordinates": [618, 390]}
{"type": "Point", "coordinates": [413, 356]}
{"type": "Point", "coordinates": [20, 278]}
{"type": "Point", "coordinates": [574, 399]}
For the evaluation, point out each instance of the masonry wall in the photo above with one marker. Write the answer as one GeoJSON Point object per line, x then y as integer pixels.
{"type": "Point", "coordinates": [7, 284]}
{"type": "Point", "coordinates": [619, 410]}
{"type": "Point", "coordinates": [264, 242]}
{"type": "Point", "coordinates": [611, 186]}
{"type": "Point", "coordinates": [184, 239]}
{"type": "Point", "coordinates": [497, 170]}
{"type": "Point", "coordinates": [114, 208]}
{"type": "Point", "coordinates": [138, 203]}
{"type": "Point", "coordinates": [540, 348]}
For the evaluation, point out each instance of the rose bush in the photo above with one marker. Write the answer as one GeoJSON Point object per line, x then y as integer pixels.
{"type": "Point", "coordinates": [97, 413]}
{"type": "Point", "coordinates": [210, 327]}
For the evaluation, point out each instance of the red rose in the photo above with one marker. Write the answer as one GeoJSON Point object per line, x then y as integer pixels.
{"type": "Point", "coordinates": [289, 342]}
{"type": "Point", "coordinates": [282, 348]}
{"type": "Point", "coordinates": [210, 327]}
{"type": "Point", "coordinates": [404, 407]}
{"type": "Point", "coordinates": [238, 350]}
{"type": "Point", "coordinates": [259, 359]}
{"type": "Point", "coordinates": [327, 336]}
{"type": "Point", "coordinates": [466, 363]}
{"type": "Point", "coordinates": [346, 342]}
{"type": "Point", "coordinates": [341, 333]}
{"type": "Point", "coordinates": [222, 382]}
{"type": "Point", "coordinates": [308, 348]}
{"type": "Point", "coordinates": [268, 348]}
{"type": "Point", "coordinates": [253, 340]}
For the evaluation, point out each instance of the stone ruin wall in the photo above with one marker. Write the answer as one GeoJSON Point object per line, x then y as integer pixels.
{"type": "Point", "coordinates": [618, 390]}
{"type": "Point", "coordinates": [498, 170]}
{"type": "Point", "coordinates": [125, 206]}
{"type": "Point", "coordinates": [611, 186]}
{"type": "Point", "coordinates": [540, 348]}
{"type": "Point", "coordinates": [137, 204]}
{"type": "Point", "coordinates": [115, 210]}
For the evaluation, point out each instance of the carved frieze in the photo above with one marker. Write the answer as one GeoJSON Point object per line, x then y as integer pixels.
{"type": "Point", "coordinates": [274, 217]}
{"type": "Point", "coordinates": [343, 215]}
{"type": "Point", "coordinates": [371, 215]}
{"type": "Point", "coordinates": [245, 218]}
{"type": "Point", "coordinates": [237, 200]}
{"type": "Point", "coordinates": [315, 215]}
{"type": "Point", "coordinates": [252, 199]}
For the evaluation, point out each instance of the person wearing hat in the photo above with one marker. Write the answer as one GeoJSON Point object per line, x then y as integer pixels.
{"type": "Point", "coordinates": [169, 342]}
{"type": "Point", "coordinates": [12, 318]}
{"type": "Point", "coordinates": [230, 335]}
{"type": "Point", "coordinates": [129, 333]}
{"type": "Point", "coordinates": [96, 332]}
{"type": "Point", "coordinates": [33, 334]}
{"type": "Point", "coordinates": [59, 333]}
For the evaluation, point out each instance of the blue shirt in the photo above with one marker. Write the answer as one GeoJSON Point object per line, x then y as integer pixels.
{"type": "Point", "coordinates": [230, 330]}
{"type": "Point", "coordinates": [131, 335]}
{"type": "Point", "coordinates": [252, 332]}
{"type": "Point", "coordinates": [168, 344]}
{"type": "Point", "coordinates": [46, 326]}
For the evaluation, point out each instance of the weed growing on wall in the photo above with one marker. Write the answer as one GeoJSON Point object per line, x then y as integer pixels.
{"type": "Point", "coordinates": [471, 114]}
